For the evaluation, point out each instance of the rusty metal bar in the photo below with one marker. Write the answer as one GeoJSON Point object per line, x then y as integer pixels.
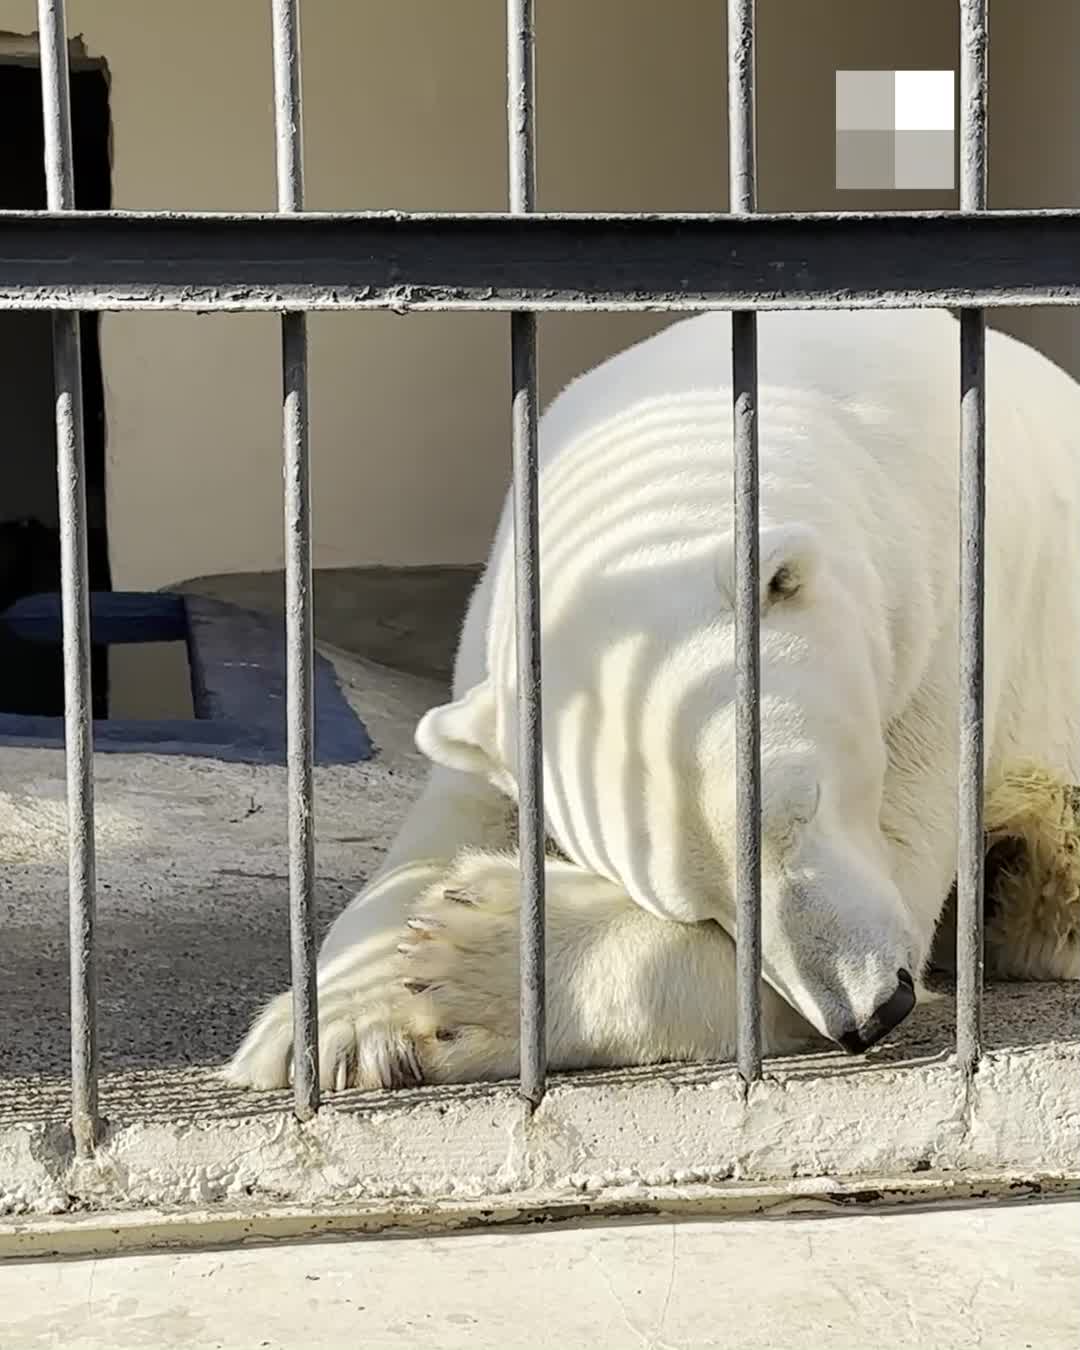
{"type": "Point", "coordinates": [520, 81]}
{"type": "Point", "coordinates": [970, 851]}
{"type": "Point", "coordinates": [216, 262]}
{"type": "Point", "coordinates": [75, 599]}
{"type": "Point", "coordinates": [742, 169]}
{"type": "Point", "coordinates": [288, 127]}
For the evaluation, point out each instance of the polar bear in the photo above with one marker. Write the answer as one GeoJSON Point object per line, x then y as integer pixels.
{"type": "Point", "coordinates": [858, 429]}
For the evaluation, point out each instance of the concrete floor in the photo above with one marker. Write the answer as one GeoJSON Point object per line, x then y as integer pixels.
{"type": "Point", "coordinates": [193, 938]}
{"type": "Point", "coordinates": [192, 866]}
{"type": "Point", "coordinates": [993, 1278]}
{"type": "Point", "coordinates": [192, 883]}
{"type": "Point", "coordinates": [193, 895]}
{"type": "Point", "coordinates": [192, 863]}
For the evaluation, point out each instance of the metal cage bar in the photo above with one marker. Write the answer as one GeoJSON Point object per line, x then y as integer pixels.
{"type": "Point", "coordinates": [74, 587]}
{"type": "Point", "coordinates": [742, 172]}
{"type": "Point", "coordinates": [64, 260]}
{"type": "Point", "coordinates": [288, 132]}
{"type": "Point", "coordinates": [970, 850]}
{"type": "Point", "coordinates": [118, 260]}
{"type": "Point", "coordinates": [520, 83]}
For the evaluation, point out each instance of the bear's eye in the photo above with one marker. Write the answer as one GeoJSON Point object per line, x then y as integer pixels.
{"type": "Point", "coordinates": [784, 584]}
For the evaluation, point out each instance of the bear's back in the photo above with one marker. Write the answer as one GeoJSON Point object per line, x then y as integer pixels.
{"type": "Point", "coordinates": [859, 435]}
{"type": "Point", "coordinates": [845, 356]}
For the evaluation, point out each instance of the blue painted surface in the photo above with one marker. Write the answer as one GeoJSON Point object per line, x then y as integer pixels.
{"type": "Point", "coordinates": [115, 617]}
{"type": "Point", "coordinates": [237, 661]}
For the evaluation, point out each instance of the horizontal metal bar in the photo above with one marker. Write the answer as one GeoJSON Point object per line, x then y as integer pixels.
{"type": "Point", "coordinates": [126, 260]}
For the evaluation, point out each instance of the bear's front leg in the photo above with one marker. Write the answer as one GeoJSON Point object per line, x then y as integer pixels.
{"type": "Point", "coordinates": [434, 997]}
{"type": "Point", "coordinates": [428, 997]}
{"type": "Point", "coordinates": [435, 1000]}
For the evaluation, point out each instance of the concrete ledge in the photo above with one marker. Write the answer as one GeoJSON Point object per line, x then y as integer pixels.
{"type": "Point", "coordinates": [192, 937]}
{"type": "Point", "coordinates": [178, 1141]}
{"type": "Point", "coordinates": [201, 1229]}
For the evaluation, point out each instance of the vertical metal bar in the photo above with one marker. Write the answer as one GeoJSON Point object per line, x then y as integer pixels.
{"type": "Point", "coordinates": [75, 600]}
{"type": "Point", "coordinates": [531, 831]}
{"type": "Point", "coordinates": [743, 195]}
{"type": "Point", "coordinates": [970, 851]}
{"type": "Point", "coordinates": [288, 130]}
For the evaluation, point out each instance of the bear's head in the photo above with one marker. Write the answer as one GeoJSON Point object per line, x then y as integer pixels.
{"type": "Point", "coordinates": [640, 731]}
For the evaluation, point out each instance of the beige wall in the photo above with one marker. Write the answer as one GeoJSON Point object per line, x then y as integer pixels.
{"type": "Point", "coordinates": [404, 108]}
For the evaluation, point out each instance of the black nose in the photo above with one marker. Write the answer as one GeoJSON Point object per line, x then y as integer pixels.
{"type": "Point", "coordinates": [882, 1020]}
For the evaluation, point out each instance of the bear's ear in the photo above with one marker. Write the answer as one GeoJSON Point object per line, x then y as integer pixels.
{"type": "Point", "coordinates": [461, 735]}
{"type": "Point", "coordinates": [788, 557]}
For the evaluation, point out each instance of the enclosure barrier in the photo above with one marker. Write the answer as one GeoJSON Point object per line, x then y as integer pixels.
{"type": "Point", "coordinates": [970, 852]}
{"type": "Point", "coordinates": [288, 130]}
{"type": "Point", "coordinates": [742, 193]}
{"type": "Point", "coordinates": [520, 121]}
{"type": "Point", "coordinates": [75, 594]}
{"type": "Point", "coordinates": [522, 262]}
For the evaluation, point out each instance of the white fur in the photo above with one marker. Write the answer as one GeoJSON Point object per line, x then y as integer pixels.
{"type": "Point", "coordinates": [858, 434]}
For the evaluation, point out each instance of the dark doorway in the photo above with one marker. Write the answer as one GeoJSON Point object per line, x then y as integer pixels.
{"type": "Point", "coordinates": [31, 674]}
